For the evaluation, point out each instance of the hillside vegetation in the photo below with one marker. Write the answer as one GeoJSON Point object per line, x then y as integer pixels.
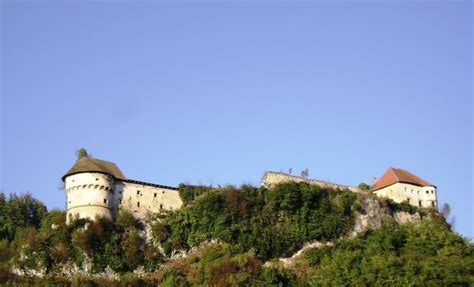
{"type": "Point", "coordinates": [233, 236]}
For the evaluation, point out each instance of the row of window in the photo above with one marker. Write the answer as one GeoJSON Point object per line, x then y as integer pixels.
{"type": "Point", "coordinates": [154, 194]}
{"type": "Point", "coordinates": [433, 204]}
{"type": "Point", "coordinates": [418, 192]}
{"type": "Point", "coordinates": [90, 186]}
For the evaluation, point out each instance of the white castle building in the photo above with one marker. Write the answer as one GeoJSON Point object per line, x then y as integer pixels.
{"type": "Point", "coordinates": [396, 184]}
{"type": "Point", "coordinates": [98, 188]}
{"type": "Point", "coordinates": [401, 185]}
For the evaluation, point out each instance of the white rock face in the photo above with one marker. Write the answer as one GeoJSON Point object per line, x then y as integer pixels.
{"type": "Point", "coordinates": [372, 216]}
{"type": "Point", "coordinates": [402, 217]}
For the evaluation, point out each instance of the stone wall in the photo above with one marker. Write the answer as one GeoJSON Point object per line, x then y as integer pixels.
{"type": "Point", "coordinates": [141, 198]}
{"type": "Point", "coordinates": [96, 194]}
{"type": "Point", "coordinates": [271, 178]}
{"type": "Point", "coordinates": [419, 196]}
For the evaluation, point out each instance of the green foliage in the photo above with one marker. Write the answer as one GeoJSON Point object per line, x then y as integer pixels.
{"type": "Point", "coordinates": [189, 193]}
{"type": "Point", "coordinates": [19, 212]}
{"type": "Point", "coordinates": [274, 222]}
{"type": "Point", "coordinates": [252, 226]}
{"type": "Point", "coordinates": [82, 152]}
{"type": "Point", "coordinates": [402, 206]}
{"type": "Point", "coordinates": [429, 254]}
{"type": "Point", "coordinates": [364, 186]}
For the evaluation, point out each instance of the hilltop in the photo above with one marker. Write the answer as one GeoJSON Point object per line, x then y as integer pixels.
{"type": "Point", "coordinates": [287, 234]}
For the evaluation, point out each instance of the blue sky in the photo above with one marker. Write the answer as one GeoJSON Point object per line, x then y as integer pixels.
{"type": "Point", "coordinates": [208, 92]}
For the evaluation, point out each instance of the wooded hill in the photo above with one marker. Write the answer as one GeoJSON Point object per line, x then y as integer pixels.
{"type": "Point", "coordinates": [236, 236]}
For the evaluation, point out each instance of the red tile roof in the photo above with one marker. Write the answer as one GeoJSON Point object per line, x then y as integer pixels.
{"type": "Point", "coordinates": [394, 175]}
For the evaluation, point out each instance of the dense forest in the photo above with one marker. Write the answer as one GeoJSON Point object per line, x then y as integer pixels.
{"type": "Point", "coordinates": [233, 236]}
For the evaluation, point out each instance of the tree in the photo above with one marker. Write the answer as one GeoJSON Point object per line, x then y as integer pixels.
{"type": "Point", "coordinates": [82, 152]}
{"type": "Point", "coordinates": [364, 186]}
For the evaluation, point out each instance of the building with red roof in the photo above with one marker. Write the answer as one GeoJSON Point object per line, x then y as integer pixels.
{"type": "Point", "coordinates": [401, 185]}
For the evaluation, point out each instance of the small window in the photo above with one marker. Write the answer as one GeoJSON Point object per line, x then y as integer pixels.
{"type": "Point", "coordinates": [105, 201]}
{"type": "Point", "coordinates": [155, 194]}
{"type": "Point", "coordinates": [138, 204]}
{"type": "Point", "coordinates": [161, 206]}
{"type": "Point", "coordinates": [419, 203]}
{"type": "Point", "coordinates": [120, 201]}
{"type": "Point", "coordinates": [427, 191]}
{"type": "Point", "coordinates": [138, 192]}
{"type": "Point", "coordinates": [433, 204]}
{"type": "Point", "coordinates": [96, 178]}
{"type": "Point", "coordinates": [408, 199]}
{"type": "Point", "coordinates": [418, 192]}
{"type": "Point", "coordinates": [163, 192]}
{"type": "Point", "coordinates": [432, 192]}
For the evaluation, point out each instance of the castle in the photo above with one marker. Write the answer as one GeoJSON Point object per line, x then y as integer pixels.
{"type": "Point", "coordinates": [396, 184]}
{"type": "Point", "coordinates": [96, 187]}
{"type": "Point", "coordinates": [99, 188]}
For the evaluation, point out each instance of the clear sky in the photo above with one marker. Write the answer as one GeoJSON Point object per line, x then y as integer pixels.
{"type": "Point", "coordinates": [207, 92]}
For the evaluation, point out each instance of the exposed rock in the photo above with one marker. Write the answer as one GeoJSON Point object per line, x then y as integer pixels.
{"type": "Point", "coordinates": [402, 217]}
{"type": "Point", "coordinates": [38, 273]}
{"type": "Point", "coordinates": [290, 261]}
{"type": "Point", "coordinates": [372, 215]}
{"type": "Point", "coordinates": [140, 271]}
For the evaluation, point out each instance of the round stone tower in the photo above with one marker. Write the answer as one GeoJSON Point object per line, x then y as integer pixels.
{"type": "Point", "coordinates": [90, 189]}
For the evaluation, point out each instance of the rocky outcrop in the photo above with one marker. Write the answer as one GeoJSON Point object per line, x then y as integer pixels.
{"type": "Point", "coordinates": [370, 215]}
{"type": "Point", "coordinates": [402, 217]}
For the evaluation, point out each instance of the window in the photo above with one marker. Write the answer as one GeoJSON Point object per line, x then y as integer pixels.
{"type": "Point", "coordinates": [105, 201]}
{"type": "Point", "coordinates": [408, 199]}
{"type": "Point", "coordinates": [419, 203]}
{"type": "Point", "coordinates": [96, 179]}
{"type": "Point", "coordinates": [432, 192]}
{"type": "Point", "coordinates": [418, 192]}
{"type": "Point", "coordinates": [427, 191]}
{"type": "Point", "coordinates": [120, 201]}
{"type": "Point", "coordinates": [154, 195]}
{"type": "Point", "coordinates": [433, 204]}
{"type": "Point", "coordinates": [138, 204]}
{"type": "Point", "coordinates": [163, 192]}
{"type": "Point", "coordinates": [138, 192]}
{"type": "Point", "coordinates": [161, 206]}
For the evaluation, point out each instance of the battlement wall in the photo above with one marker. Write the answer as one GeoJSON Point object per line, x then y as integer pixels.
{"type": "Point", "coordinates": [271, 178]}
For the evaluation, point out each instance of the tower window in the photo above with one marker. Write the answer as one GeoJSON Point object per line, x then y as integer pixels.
{"type": "Point", "coordinates": [419, 203]}
{"type": "Point", "coordinates": [155, 194]}
{"type": "Point", "coordinates": [138, 204]}
{"type": "Point", "coordinates": [138, 192]}
{"type": "Point", "coordinates": [96, 178]}
{"type": "Point", "coordinates": [105, 200]}
{"type": "Point", "coordinates": [432, 204]}
{"type": "Point", "coordinates": [161, 206]}
{"type": "Point", "coordinates": [120, 201]}
{"type": "Point", "coordinates": [427, 191]}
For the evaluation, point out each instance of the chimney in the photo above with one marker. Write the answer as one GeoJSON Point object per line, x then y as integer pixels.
{"type": "Point", "coordinates": [374, 180]}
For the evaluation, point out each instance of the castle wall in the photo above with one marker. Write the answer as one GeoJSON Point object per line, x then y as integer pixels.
{"type": "Point", "coordinates": [140, 199]}
{"type": "Point", "coordinates": [88, 195]}
{"type": "Point", "coordinates": [416, 195]}
{"type": "Point", "coordinates": [272, 178]}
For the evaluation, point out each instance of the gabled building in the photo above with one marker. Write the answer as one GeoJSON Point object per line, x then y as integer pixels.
{"type": "Point", "coordinates": [401, 185]}
{"type": "Point", "coordinates": [97, 187]}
